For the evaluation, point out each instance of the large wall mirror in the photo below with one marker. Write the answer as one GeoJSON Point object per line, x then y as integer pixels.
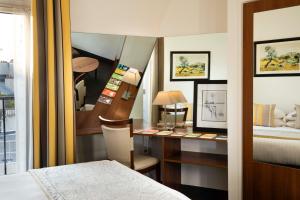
{"type": "Point", "coordinates": [101, 62]}
{"type": "Point", "coordinates": [276, 87]}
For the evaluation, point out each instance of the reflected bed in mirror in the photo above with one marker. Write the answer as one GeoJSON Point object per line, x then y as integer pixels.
{"type": "Point", "coordinates": [276, 97]}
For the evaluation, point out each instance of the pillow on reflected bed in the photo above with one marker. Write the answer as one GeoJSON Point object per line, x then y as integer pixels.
{"type": "Point", "coordinates": [263, 115]}
{"type": "Point", "coordinates": [297, 124]}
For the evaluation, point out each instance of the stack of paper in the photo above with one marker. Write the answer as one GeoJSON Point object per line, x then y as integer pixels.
{"type": "Point", "coordinates": [178, 134]}
{"type": "Point", "coordinates": [164, 133]}
{"type": "Point", "coordinates": [208, 136]}
{"type": "Point", "coordinates": [193, 135]}
{"type": "Point", "coordinates": [149, 131]}
{"type": "Point", "coordinates": [221, 137]}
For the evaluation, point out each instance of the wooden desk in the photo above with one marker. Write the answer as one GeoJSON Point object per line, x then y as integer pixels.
{"type": "Point", "coordinates": [88, 123]}
{"type": "Point", "coordinates": [173, 156]}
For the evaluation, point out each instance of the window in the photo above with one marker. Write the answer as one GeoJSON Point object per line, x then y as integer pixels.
{"type": "Point", "coordinates": [13, 75]}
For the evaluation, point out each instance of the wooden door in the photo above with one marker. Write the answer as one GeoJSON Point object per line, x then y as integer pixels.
{"type": "Point", "coordinates": [261, 180]}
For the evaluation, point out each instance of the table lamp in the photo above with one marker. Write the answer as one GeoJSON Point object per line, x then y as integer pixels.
{"type": "Point", "coordinates": [177, 97]}
{"type": "Point", "coordinates": [163, 98]}
{"type": "Point", "coordinates": [132, 77]}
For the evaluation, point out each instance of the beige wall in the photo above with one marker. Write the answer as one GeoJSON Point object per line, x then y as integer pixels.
{"type": "Point", "coordinates": [235, 69]}
{"type": "Point", "coordinates": [149, 18]}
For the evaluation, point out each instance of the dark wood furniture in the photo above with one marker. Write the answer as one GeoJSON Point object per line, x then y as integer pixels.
{"type": "Point", "coordinates": [87, 122]}
{"type": "Point", "coordinates": [261, 180]}
{"type": "Point", "coordinates": [84, 64]}
{"type": "Point", "coordinates": [126, 123]}
{"type": "Point", "coordinates": [173, 156]}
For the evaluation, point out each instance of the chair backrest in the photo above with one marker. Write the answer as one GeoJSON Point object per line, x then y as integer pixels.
{"type": "Point", "coordinates": [189, 116]}
{"type": "Point", "coordinates": [80, 94]}
{"type": "Point", "coordinates": [170, 114]}
{"type": "Point", "coordinates": [118, 138]}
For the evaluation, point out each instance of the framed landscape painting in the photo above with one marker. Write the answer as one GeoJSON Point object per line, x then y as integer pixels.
{"type": "Point", "coordinates": [277, 57]}
{"type": "Point", "coordinates": [189, 65]}
{"type": "Point", "coordinates": [210, 106]}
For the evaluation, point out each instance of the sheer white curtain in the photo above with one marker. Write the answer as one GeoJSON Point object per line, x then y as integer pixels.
{"type": "Point", "coordinates": [21, 31]}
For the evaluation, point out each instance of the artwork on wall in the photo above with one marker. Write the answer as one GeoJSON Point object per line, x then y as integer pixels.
{"type": "Point", "coordinates": [189, 65]}
{"type": "Point", "coordinates": [277, 57]}
{"type": "Point", "coordinates": [210, 106]}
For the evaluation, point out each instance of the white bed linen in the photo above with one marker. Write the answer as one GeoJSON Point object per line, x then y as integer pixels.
{"type": "Point", "coordinates": [277, 145]}
{"type": "Point", "coordinates": [285, 132]}
{"type": "Point", "coordinates": [107, 180]}
{"type": "Point", "coordinates": [21, 187]}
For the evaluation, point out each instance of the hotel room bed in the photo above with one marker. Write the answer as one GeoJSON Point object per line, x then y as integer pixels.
{"type": "Point", "coordinates": [94, 180]}
{"type": "Point", "coordinates": [279, 145]}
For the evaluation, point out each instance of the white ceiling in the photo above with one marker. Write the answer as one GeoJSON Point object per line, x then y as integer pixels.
{"type": "Point", "coordinates": [25, 3]}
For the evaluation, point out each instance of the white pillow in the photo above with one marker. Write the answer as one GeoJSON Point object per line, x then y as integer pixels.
{"type": "Point", "coordinates": [278, 123]}
{"type": "Point", "coordinates": [291, 124]}
{"type": "Point", "coordinates": [297, 124]}
{"type": "Point", "coordinates": [291, 116]}
{"type": "Point", "coordinates": [279, 114]}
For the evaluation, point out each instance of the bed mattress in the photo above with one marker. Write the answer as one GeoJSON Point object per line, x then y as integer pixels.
{"type": "Point", "coordinates": [94, 180]}
{"type": "Point", "coordinates": [277, 145]}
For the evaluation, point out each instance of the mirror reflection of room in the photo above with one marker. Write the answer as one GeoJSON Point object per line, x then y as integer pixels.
{"type": "Point", "coordinates": [101, 62]}
{"type": "Point", "coordinates": [276, 97]}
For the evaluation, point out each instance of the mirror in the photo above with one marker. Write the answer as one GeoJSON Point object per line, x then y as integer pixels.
{"type": "Point", "coordinates": [102, 62]}
{"type": "Point", "coordinates": [276, 81]}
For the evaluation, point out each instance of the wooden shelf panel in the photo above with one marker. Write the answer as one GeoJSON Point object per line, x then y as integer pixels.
{"type": "Point", "coordinates": [197, 158]}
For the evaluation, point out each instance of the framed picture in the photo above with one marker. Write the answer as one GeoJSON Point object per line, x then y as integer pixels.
{"type": "Point", "coordinates": [210, 106]}
{"type": "Point", "coordinates": [189, 65]}
{"type": "Point", "coordinates": [277, 57]}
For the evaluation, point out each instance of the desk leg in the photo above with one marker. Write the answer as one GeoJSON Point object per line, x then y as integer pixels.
{"type": "Point", "coordinates": [171, 171]}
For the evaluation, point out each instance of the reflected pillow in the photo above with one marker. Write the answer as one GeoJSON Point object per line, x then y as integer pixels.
{"type": "Point", "coordinates": [279, 123]}
{"type": "Point", "coordinates": [279, 114]}
{"type": "Point", "coordinates": [263, 115]}
{"type": "Point", "coordinates": [291, 124]}
{"type": "Point", "coordinates": [291, 116]}
{"type": "Point", "coordinates": [297, 125]}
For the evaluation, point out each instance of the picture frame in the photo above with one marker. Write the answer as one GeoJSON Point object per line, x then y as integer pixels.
{"type": "Point", "coordinates": [210, 106]}
{"type": "Point", "coordinates": [189, 65]}
{"type": "Point", "coordinates": [279, 57]}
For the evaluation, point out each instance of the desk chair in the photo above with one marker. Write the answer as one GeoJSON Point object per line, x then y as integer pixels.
{"type": "Point", "coordinates": [80, 91]}
{"type": "Point", "coordinates": [118, 138]}
{"type": "Point", "coordinates": [170, 115]}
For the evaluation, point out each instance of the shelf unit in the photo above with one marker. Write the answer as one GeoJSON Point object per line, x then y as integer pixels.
{"type": "Point", "coordinates": [198, 158]}
{"type": "Point", "coordinates": [173, 157]}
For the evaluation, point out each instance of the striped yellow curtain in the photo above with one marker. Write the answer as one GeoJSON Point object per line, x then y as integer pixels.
{"type": "Point", "coordinates": [53, 108]}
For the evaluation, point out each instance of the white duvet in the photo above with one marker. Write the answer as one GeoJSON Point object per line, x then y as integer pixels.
{"type": "Point", "coordinates": [277, 145]}
{"type": "Point", "coordinates": [107, 180]}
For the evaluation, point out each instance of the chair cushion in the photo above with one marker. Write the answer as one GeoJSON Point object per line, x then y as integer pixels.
{"type": "Point", "coordinates": [143, 161]}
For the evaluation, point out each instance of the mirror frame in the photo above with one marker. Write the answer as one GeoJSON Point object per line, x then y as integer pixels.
{"type": "Point", "coordinates": [261, 180]}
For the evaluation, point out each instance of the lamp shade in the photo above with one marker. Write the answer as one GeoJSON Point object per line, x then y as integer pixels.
{"type": "Point", "coordinates": [177, 96]}
{"type": "Point", "coordinates": [132, 76]}
{"type": "Point", "coordinates": [163, 98]}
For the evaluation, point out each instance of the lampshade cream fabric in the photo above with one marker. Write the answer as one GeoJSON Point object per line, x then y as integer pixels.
{"type": "Point", "coordinates": [177, 96]}
{"type": "Point", "coordinates": [163, 98]}
{"type": "Point", "coordinates": [132, 76]}
{"type": "Point", "coordinates": [118, 144]}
